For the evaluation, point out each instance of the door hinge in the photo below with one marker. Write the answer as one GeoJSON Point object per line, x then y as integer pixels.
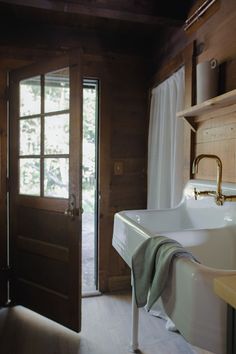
{"type": "Point", "coordinates": [7, 93]}
{"type": "Point", "coordinates": [8, 184]}
{"type": "Point", "coordinates": [5, 277]}
{"type": "Point", "coordinates": [5, 272]}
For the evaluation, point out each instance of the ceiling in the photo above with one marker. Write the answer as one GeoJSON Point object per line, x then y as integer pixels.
{"type": "Point", "coordinates": [131, 24]}
{"type": "Point", "coordinates": [148, 12]}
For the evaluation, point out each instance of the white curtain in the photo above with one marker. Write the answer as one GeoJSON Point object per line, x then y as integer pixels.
{"type": "Point", "coordinates": [165, 143]}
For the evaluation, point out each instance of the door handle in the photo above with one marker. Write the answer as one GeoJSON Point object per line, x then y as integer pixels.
{"type": "Point", "coordinates": [71, 210]}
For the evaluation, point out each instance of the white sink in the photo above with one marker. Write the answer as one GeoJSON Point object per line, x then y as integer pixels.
{"type": "Point", "coordinates": [209, 232]}
{"type": "Point", "coordinates": [132, 227]}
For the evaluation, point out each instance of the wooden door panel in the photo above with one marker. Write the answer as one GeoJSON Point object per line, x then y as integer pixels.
{"type": "Point", "coordinates": [42, 248]}
{"type": "Point", "coordinates": [31, 267]}
{"type": "Point", "coordinates": [45, 244]}
{"type": "Point", "coordinates": [44, 301]}
{"type": "Point", "coordinates": [43, 225]}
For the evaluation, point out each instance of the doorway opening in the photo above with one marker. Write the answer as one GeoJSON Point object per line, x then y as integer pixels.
{"type": "Point", "coordinates": [90, 187]}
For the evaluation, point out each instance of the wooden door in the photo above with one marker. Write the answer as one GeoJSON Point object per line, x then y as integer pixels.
{"type": "Point", "coordinates": [45, 188]}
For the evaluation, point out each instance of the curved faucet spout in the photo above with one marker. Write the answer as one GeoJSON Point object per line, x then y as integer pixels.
{"type": "Point", "coordinates": [219, 173]}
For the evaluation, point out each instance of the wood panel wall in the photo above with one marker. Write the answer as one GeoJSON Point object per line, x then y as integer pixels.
{"type": "Point", "coordinates": [123, 143]}
{"type": "Point", "coordinates": [216, 135]}
{"type": "Point", "coordinates": [123, 114]}
{"type": "Point", "coordinates": [216, 37]}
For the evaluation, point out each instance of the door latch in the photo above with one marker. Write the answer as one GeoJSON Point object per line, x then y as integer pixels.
{"type": "Point", "coordinates": [72, 211]}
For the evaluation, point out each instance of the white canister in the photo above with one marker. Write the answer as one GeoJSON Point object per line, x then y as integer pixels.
{"type": "Point", "coordinates": [207, 80]}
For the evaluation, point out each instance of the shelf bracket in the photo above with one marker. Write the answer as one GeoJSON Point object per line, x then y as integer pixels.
{"type": "Point", "coordinates": [190, 123]}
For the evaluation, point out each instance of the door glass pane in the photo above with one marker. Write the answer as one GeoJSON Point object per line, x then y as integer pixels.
{"type": "Point", "coordinates": [56, 134]}
{"type": "Point", "coordinates": [57, 90]}
{"type": "Point", "coordinates": [30, 96]}
{"type": "Point", "coordinates": [30, 176]}
{"type": "Point", "coordinates": [56, 173]}
{"type": "Point", "coordinates": [30, 136]}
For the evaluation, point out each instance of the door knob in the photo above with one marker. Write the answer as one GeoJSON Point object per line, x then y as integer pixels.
{"type": "Point", "coordinates": [71, 210]}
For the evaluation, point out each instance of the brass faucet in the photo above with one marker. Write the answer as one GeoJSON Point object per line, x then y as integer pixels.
{"type": "Point", "coordinates": [219, 197]}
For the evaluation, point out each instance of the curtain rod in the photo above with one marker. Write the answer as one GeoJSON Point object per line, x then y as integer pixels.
{"type": "Point", "coordinates": [198, 13]}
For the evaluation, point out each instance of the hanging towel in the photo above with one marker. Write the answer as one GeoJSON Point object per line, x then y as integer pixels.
{"type": "Point", "coordinates": [151, 266]}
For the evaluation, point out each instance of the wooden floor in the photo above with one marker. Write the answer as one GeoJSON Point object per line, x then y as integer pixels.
{"type": "Point", "coordinates": [105, 330]}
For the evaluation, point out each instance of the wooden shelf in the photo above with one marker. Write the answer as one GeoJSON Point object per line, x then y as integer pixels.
{"type": "Point", "coordinates": [225, 288]}
{"type": "Point", "coordinates": [212, 106]}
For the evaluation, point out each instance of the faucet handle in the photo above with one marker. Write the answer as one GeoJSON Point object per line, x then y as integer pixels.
{"type": "Point", "coordinates": [205, 194]}
{"type": "Point", "coordinates": [195, 193]}
{"type": "Point", "coordinates": [219, 199]}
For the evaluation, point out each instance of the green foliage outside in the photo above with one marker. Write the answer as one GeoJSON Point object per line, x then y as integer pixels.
{"type": "Point", "coordinates": [56, 98]}
{"type": "Point", "coordinates": [89, 149]}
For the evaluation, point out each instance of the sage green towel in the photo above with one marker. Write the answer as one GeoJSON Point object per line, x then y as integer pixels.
{"type": "Point", "coordinates": [151, 265]}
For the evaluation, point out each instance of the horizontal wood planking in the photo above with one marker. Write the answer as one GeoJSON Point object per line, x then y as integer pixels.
{"type": "Point", "coordinates": [123, 108]}
{"type": "Point", "coordinates": [123, 111]}
{"type": "Point", "coordinates": [117, 283]}
{"type": "Point", "coordinates": [200, 20]}
{"type": "Point", "coordinates": [217, 136]}
{"type": "Point", "coordinates": [207, 170]}
{"type": "Point", "coordinates": [217, 34]}
{"type": "Point", "coordinates": [123, 138]}
{"type": "Point", "coordinates": [167, 69]}
{"type": "Point", "coordinates": [127, 199]}
{"type": "Point", "coordinates": [215, 130]}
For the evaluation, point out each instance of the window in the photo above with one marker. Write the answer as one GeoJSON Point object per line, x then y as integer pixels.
{"type": "Point", "coordinates": [44, 129]}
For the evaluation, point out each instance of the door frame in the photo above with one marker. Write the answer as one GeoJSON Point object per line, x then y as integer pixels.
{"type": "Point", "coordinates": [4, 265]}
